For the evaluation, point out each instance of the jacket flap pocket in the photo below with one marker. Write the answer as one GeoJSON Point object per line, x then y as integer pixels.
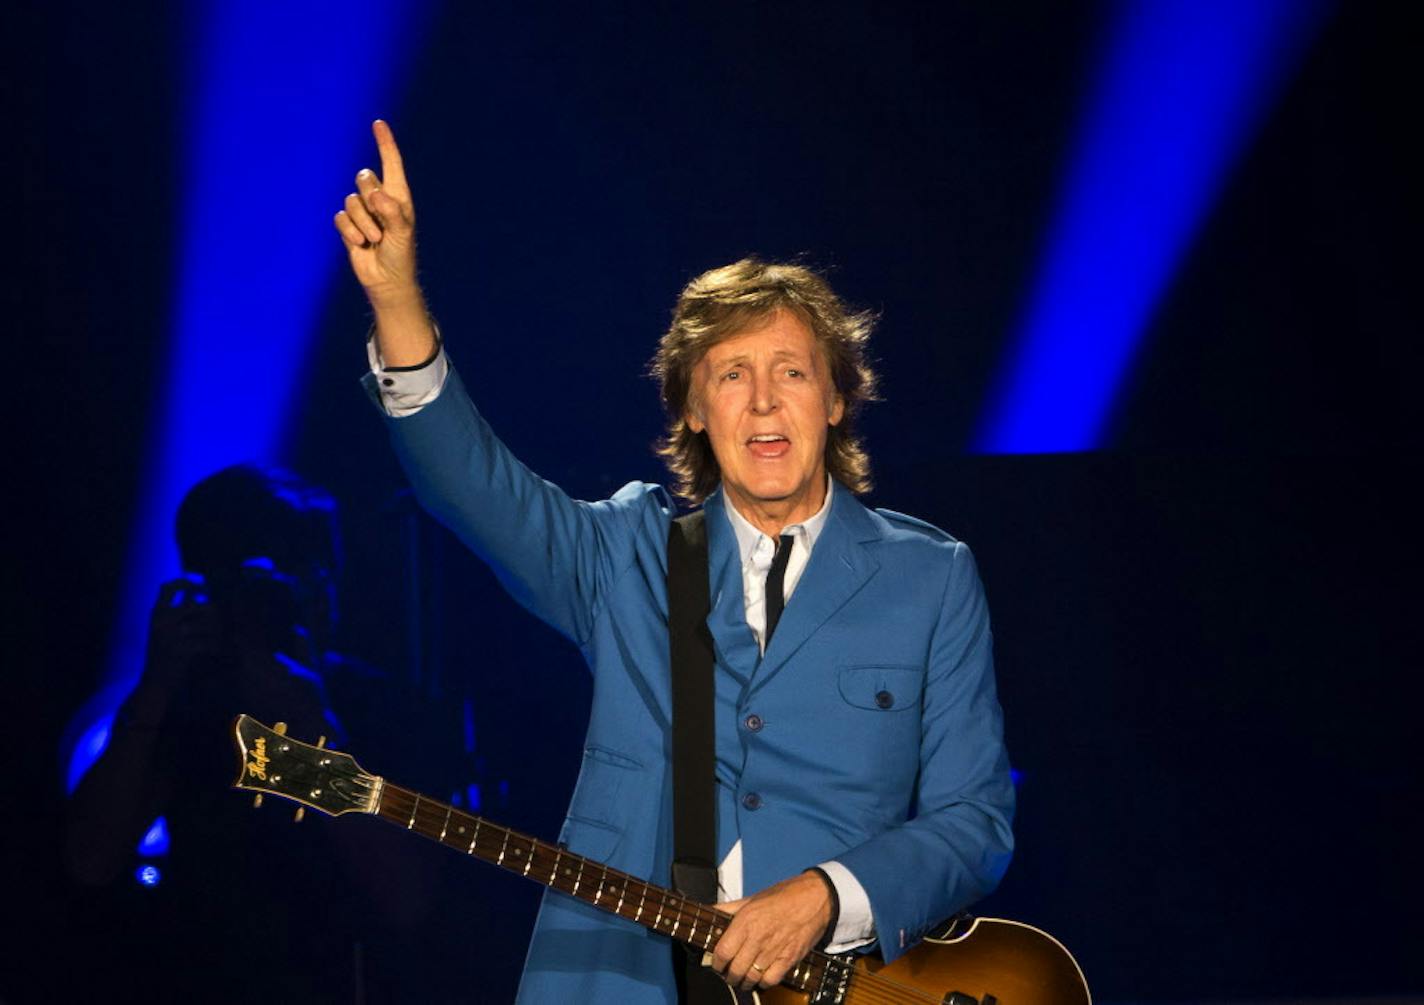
{"type": "Point", "coordinates": [589, 838]}
{"type": "Point", "coordinates": [883, 688]}
{"type": "Point", "coordinates": [597, 794]}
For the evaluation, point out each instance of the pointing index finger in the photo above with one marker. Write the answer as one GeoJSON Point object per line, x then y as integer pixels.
{"type": "Point", "coordinates": [392, 168]}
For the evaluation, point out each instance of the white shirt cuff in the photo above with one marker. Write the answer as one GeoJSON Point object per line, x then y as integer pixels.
{"type": "Point", "coordinates": [406, 391]}
{"type": "Point", "coordinates": [856, 925]}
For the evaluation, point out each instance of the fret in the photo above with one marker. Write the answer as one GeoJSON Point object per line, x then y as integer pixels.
{"type": "Point", "coordinates": [578, 879]}
{"type": "Point", "coordinates": [599, 892]}
{"type": "Point", "coordinates": [502, 847]}
{"type": "Point", "coordinates": [621, 891]}
{"type": "Point", "coordinates": [676, 921]}
{"type": "Point", "coordinates": [529, 860]}
{"type": "Point", "coordinates": [642, 897]}
{"type": "Point", "coordinates": [415, 806]}
{"type": "Point", "coordinates": [662, 903]}
{"type": "Point", "coordinates": [474, 837]}
{"type": "Point", "coordinates": [445, 826]}
{"type": "Point", "coordinates": [554, 872]}
{"type": "Point", "coordinates": [805, 975]}
{"type": "Point", "coordinates": [708, 941]}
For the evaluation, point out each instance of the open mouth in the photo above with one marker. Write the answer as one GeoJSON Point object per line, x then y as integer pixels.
{"type": "Point", "coordinates": [768, 445]}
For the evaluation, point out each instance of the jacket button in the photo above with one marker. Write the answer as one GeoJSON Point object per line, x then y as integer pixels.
{"type": "Point", "coordinates": [388, 382]}
{"type": "Point", "coordinates": [884, 699]}
{"type": "Point", "coordinates": [753, 722]}
{"type": "Point", "coordinates": [751, 801]}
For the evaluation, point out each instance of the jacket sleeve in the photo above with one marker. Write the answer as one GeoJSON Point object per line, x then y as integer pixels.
{"type": "Point", "coordinates": [554, 555]}
{"type": "Point", "coordinates": [954, 850]}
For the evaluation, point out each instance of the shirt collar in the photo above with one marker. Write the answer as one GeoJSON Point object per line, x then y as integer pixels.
{"type": "Point", "coordinates": [810, 528]}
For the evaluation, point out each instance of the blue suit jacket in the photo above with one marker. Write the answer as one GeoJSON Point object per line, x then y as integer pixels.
{"type": "Point", "coordinates": [880, 743]}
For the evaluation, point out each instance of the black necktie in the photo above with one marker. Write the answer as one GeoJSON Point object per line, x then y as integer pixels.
{"type": "Point", "coordinates": [775, 591]}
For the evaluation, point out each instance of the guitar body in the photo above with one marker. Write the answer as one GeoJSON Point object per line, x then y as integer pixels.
{"type": "Point", "coordinates": [1015, 963]}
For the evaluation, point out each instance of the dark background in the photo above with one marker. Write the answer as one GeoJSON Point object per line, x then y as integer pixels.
{"type": "Point", "coordinates": [1206, 631]}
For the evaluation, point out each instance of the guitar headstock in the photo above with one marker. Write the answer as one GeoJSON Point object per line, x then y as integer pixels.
{"type": "Point", "coordinates": [275, 764]}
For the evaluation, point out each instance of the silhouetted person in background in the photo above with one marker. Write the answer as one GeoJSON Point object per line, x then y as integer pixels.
{"type": "Point", "coordinates": [246, 903]}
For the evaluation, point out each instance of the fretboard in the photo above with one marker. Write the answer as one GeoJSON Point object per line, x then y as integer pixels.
{"type": "Point", "coordinates": [646, 904]}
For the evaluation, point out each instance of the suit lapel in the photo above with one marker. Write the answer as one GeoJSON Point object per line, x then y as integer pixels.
{"type": "Point", "coordinates": [727, 620]}
{"type": "Point", "coordinates": [840, 566]}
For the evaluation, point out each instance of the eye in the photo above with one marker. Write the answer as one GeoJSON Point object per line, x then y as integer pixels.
{"type": "Point", "coordinates": [793, 372]}
{"type": "Point", "coordinates": [732, 375]}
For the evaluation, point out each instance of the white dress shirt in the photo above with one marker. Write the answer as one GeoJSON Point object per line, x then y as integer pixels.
{"type": "Point", "coordinates": [408, 390]}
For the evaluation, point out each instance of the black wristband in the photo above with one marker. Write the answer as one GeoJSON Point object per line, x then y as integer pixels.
{"type": "Point", "coordinates": [835, 906]}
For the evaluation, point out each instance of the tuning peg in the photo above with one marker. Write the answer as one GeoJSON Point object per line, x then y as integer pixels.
{"type": "Point", "coordinates": [280, 729]}
{"type": "Point", "coordinates": [320, 742]}
{"type": "Point", "coordinates": [257, 801]}
{"type": "Point", "coordinates": [301, 812]}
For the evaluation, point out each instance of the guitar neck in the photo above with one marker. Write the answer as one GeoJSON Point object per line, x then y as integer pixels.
{"type": "Point", "coordinates": [654, 907]}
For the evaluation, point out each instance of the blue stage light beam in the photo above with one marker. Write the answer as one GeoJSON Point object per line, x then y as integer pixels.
{"type": "Point", "coordinates": [1182, 88]}
{"type": "Point", "coordinates": [282, 96]}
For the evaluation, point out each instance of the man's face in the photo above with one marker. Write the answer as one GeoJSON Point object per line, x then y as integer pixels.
{"type": "Point", "coordinates": [766, 400]}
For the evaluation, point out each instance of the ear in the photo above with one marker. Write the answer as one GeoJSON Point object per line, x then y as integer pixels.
{"type": "Point", "coordinates": [693, 420]}
{"type": "Point", "coordinates": [837, 411]}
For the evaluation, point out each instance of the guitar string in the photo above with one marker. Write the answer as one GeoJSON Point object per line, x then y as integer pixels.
{"type": "Point", "coordinates": [694, 914]}
{"type": "Point", "coordinates": [866, 986]}
{"type": "Point", "coordinates": [681, 911]}
{"type": "Point", "coordinates": [869, 987]}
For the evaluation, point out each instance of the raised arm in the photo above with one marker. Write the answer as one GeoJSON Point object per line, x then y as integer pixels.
{"type": "Point", "coordinates": [552, 553]}
{"type": "Point", "coordinates": [377, 225]}
{"type": "Point", "coordinates": [122, 791]}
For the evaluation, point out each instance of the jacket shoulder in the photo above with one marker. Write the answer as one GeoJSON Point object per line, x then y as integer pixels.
{"type": "Point", "coordinates": [640, 502]}
{"type": "Point", "coordinates": [905, 527]}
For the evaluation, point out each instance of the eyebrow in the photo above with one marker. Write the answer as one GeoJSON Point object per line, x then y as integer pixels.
{"type": "Point", "coordinates": [780, 354]}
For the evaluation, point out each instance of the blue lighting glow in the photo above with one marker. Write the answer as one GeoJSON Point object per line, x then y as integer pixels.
{"type": "Point", "coordinates": [91, 743]}
{"type": "Point", "coordinates": [468, 721]}
{"type": "Point", "coordinates": [278, 122]}
{"type": "Point", "coordinates": [155, 840]}
{"type": "Point", "coordinates": [1181, 88]}
{"type": "Point", "coordinates": [148, 875]}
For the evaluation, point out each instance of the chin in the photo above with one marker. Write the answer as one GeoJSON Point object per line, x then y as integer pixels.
{"type": "Point", "coordinates": [777, 492]}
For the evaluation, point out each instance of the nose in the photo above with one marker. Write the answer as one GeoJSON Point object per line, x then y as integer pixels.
{"type": "Point", "coordinates": [763, 398]}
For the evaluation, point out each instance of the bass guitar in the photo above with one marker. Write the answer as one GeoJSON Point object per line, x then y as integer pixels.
{"type": "Point", "coordinates": [972, 961]}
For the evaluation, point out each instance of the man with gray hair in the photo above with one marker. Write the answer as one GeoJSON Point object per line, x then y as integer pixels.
{"type": "Point", "coordinates": [863, 789]}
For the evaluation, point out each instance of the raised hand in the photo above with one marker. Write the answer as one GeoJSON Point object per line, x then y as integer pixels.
{"type": "Point", "coordinates": [377, 225]}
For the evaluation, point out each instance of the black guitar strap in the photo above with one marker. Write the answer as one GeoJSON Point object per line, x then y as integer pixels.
{"type": "Point", "coordinates": [694, 769]}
